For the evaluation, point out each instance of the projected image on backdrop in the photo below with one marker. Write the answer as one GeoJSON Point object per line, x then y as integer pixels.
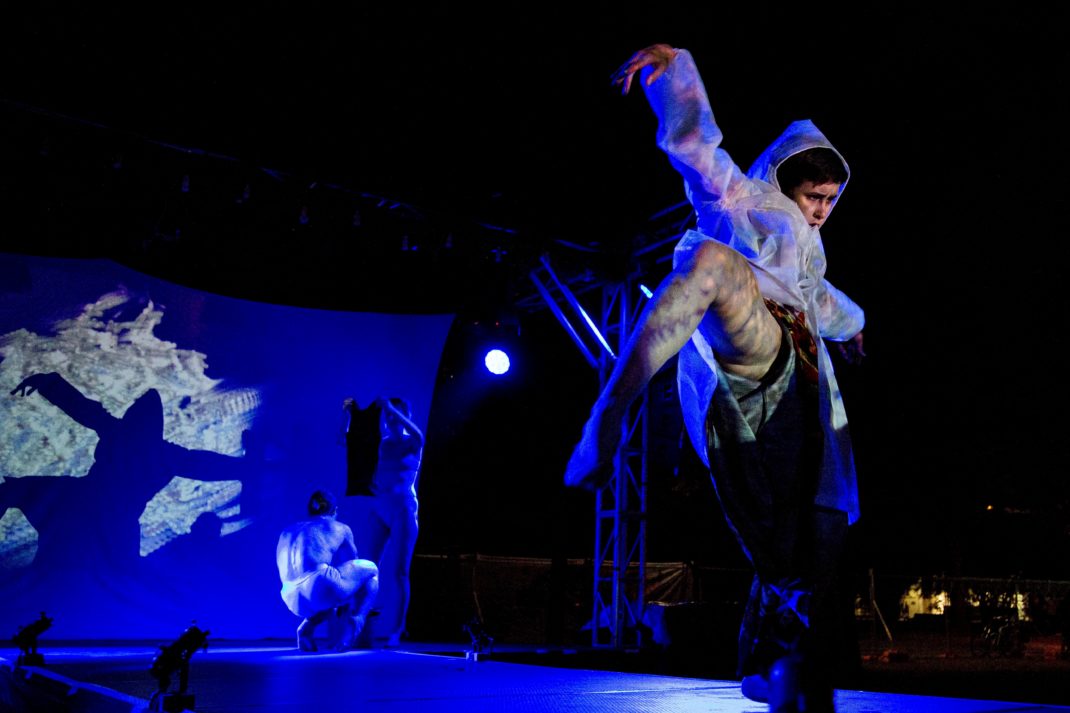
{"type": "Point", "coordinates": [102, 397]}
{"type": "Point", "coordinates": [154, 434]}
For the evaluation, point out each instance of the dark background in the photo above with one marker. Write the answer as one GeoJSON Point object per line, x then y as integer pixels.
{"type": "Point", "coordinates": [486, 139]}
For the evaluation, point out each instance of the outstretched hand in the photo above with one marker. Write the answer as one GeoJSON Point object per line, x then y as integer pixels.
{"type": "Point", "coordinates": [591, 464]}
{"type": "Point", "coordinates": [658, 56]}
{"type": "Point", "coordinates": [852, 350]}
{"type": "Point", "coordinates": [28, 385]}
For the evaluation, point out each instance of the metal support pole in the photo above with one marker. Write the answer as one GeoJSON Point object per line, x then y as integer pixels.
{"type": "Point", "coordinates": [620, 505]}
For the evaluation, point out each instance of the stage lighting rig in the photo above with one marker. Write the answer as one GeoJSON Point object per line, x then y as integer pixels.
{"type": "Point", "coordinates": [175, 657]}
{"type": "Point", "coordinates": [496, 361]}
{"type": "Point", "coordinates": [26, 639]}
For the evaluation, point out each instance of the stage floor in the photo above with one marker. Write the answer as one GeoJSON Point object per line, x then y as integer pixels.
{"type": "Point", "coordinates": [275, 678]}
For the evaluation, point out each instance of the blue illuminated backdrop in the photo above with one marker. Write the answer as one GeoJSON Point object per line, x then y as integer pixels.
{"type": "Point", "coordinates": [155, 439]}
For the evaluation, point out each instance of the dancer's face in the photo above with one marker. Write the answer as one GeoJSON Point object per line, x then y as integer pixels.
{"type": "Point", "coordinates": [816, 201]}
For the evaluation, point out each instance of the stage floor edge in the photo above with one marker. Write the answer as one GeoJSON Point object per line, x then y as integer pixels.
{"type": "Point", "coordinates": [260, 678]}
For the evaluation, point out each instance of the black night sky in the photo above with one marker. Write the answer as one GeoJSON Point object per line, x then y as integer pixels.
{"type": "Point", "coordinates": [951, 233]}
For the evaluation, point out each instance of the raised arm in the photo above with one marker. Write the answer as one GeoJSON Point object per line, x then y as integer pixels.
{"type": "Point", "coordinates": [349, 406]}
{"type": "Point", "coordinates": [687, 131]}
{"type": "Point", "coordinates": [410, 426]}
{"type": "Point", "coordinates": [209, 465]}
{"type": "Point", "coordinates": [656, 57]}
{"type": "Point", "coordinates": [56, 390]}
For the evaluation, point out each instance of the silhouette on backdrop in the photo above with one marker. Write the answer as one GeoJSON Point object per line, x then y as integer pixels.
{"type": "Point", "coordinates": [132, 462]}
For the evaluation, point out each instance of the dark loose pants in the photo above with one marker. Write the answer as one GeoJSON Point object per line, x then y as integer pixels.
{"type": "Point", "coordinates": [764, 440]}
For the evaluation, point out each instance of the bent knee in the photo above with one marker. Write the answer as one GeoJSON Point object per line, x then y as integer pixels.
{"type": "Point", "coordinates": [361, 569]}
{"type": "Point", "coordinates": [718, 274]}
{"type": "Point", "coordinates": [368, 568]}
{"type": "Point", "coordinates": [711, 256]}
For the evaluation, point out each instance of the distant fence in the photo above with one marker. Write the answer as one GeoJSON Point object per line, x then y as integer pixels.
{"type": "Point", "coordinates": [537, 601]}
{"type": "Point", "coordinates": [544, 601]}
{"type": "Point", "coordinates": [977, 615]}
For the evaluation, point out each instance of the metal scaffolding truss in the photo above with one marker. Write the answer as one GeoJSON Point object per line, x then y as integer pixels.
{"type": "Point", "coordinates": [620, 505]}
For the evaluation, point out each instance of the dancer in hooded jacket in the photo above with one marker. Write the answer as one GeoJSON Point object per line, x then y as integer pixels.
{"type": "Point", "coordinates": [747, 309]}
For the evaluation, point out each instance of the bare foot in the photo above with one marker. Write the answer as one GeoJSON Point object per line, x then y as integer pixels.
{"type": "Point", "coordinates": [305, 642]}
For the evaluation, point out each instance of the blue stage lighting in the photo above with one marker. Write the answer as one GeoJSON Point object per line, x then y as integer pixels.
{"type": "Point", "coordinates": [646, 291]}
{"type": "Point", "coordinates": [496, 361]}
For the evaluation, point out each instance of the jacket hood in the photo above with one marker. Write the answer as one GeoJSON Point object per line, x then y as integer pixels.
{"type": "Point", "coordinates": [799, 136]}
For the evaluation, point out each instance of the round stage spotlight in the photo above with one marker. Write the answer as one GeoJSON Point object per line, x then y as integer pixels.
{"type": "Point", "coordinates": [496, 361]}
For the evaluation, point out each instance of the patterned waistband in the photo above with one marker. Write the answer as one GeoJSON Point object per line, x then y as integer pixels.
{"type": "Point", "coordinates": [801, 338]}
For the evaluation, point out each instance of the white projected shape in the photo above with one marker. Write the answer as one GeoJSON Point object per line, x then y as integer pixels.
{"type": "Point", "coordinates": [113, 361]}
{"type": "Point", "coordinates": [18, 540]}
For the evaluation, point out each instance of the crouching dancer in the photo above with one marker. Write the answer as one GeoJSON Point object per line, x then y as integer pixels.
{"type": "Point", "coordinates": [322, 577]}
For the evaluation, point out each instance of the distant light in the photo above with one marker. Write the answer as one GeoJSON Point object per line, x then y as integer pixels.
{"type": "Point", "coordinates": [988, 507]}
{"type": "Point", "coordinates": [496, 361]}
{"type": "Point", "coordinates": [646, 291]}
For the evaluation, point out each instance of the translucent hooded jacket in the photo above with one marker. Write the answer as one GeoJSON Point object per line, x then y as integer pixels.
{"type": "Point", "coordinates": [749, 213]}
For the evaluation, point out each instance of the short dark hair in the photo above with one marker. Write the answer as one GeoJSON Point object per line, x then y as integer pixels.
{"type": "Point", "coordinates": [322, 502]}
{"type": "Point", "coordinates": [818, 165]}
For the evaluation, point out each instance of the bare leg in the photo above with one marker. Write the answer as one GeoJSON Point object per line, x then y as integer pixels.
{"type": "Point", "coordinates": [307, 628]}
{"type": "Point", "coordinates": [712, 290]}
{"type": "Point", "coordinates": [364, 599]}
{"type": "Point", "coordinates": [372, 534]}
{"type": "Point", "coordinates": [353, 615]}
{"type": "Point", "coordinates": [744, 336]}
{"type": "Point", "coordinates": [369, 530]}
{"type": "Point", "coordinates": [396, 563]}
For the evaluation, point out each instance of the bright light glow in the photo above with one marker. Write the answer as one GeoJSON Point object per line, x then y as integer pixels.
{"type": "Point", "coordinates": [914, 601]}
{"type": "Point", "coordinates": [497, 361]}
{"type": "Point", "coordinates": [646, 291]}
